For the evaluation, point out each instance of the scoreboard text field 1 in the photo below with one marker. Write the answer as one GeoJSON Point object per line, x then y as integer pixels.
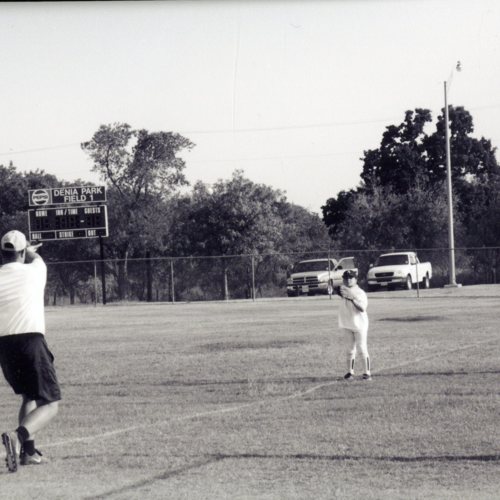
{"type": "Point", "coordinates": [64, 195]}
{"type": "Point", "coordinates": [66, 223]}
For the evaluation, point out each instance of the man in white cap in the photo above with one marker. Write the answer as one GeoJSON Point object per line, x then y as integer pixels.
{"type": "Point", "coordinates": [25, 358]}
{"type": "Point", "coordinates": [353, 320]}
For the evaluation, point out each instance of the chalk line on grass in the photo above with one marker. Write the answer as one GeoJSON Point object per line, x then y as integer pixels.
{"type": "Point", "coordinates": [235, 408]}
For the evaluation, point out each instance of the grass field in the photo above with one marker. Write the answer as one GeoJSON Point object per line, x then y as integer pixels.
{"type": "Point", "coordinates": [245, 400]}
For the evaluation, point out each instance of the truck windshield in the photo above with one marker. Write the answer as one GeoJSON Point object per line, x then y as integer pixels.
{"type": "Point", "coordinates": [314, 265]}
{"type": "Point", "coordinates": [392, 260]}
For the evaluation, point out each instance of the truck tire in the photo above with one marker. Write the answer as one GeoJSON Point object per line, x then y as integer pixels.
{"type": "Point", "coordinates": [426, 283]}
{"type": "Point", "coordinates": [372, 288]}
{"type": "Point", "coordinates": [408, 283]}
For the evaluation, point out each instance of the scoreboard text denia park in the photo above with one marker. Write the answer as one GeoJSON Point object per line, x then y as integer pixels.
{"type": "Point", "coordinates": [71, 219]}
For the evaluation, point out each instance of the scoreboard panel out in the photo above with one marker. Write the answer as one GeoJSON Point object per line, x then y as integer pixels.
{"type": "Point", "coordinates": [68, 223]}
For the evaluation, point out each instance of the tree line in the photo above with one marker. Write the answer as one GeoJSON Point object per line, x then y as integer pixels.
{"type": "Point", "coordinates": [150, 215]}
{"type": "Point", "coordinates": [400, 203]}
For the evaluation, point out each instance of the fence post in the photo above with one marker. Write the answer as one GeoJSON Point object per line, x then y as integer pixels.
{"type": "Point", "coordinates": [95, 283]}
{"type": "Point", "coordinates": [253, 278]}
{"type": "Point", "coordinates": [172, 290]}
{"type": "Point", "coordinates": [417, 262]}
{"type": "Point", "coordinates": [329, 275]}
{"type": "Point", "coordinates": [149, 277]}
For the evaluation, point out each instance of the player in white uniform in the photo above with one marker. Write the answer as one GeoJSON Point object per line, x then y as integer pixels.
{"type": "Point", "coordinates": [353, 321]}
{"type": "Point", "coordinates": [25, 358]}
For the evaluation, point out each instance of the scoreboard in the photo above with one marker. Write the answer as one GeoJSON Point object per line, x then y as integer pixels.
{"type": "Point", "coordinates": [68, 223]}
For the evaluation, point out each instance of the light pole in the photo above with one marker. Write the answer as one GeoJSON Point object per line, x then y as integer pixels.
{"type": "Point", "coordinates": [451, 236]}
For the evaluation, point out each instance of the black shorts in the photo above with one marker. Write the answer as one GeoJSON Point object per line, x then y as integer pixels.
{"type": "Point", "coordinates": [28, 366]}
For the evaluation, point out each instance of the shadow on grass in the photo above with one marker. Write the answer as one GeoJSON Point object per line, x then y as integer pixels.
{"type": "Point", "coordinates": [334, 458]}
{"type": "Point", "coordinates": [236, 346]}
{"type": "Point", "coordinates": [158, 477]}
{"type": "Point", "coordinates": [205, 382]}
{"type": "Point", "coordinates": [219, 457]}
{"type": "Point", "coordinates": [436, 374]}
{"type": "Point", "coordinates": [410, 319]}
{"type": "Point", "coordinates": [282, 380]}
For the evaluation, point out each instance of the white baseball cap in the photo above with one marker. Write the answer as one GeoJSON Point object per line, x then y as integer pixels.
{"type": "Point", "coordinates": [13, 241]}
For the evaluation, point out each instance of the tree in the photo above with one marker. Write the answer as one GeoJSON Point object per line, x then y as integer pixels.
{"type": "Point", "coordinates": [15, 185]}
{"type": "Point", "coordinates": [230, 218]}
{"type": "Point", "coordinates": [382, 219]}
{"type": "Point", "coordinates": [142, 169]}
{"type": "Point", "coordinates": [408, 155]}
{"type": "Point", "coordinates": [480, 202]}
{"type": "Point", "coordinates": [14, 205]}
{"type": "Point", "coordinates": [400, 159]}
{"type": "Point", "coordinates": [409, 159]}
{"type": "Point", "coordinates": [335, 211]}
{"type": "Point", "coordinates": [14, 202]}
{"type": "Point", "coordinates": [304, 233]}
{"type": "Point", "coordinates": [470, 157]}
{"type": "Point", "coordinates": [138, 162]}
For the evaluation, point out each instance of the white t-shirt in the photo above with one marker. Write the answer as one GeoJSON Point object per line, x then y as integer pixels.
{"type": "Point", "coordinates": [350, 317]}
{"type": "Point", "coordinates": [22, 297]}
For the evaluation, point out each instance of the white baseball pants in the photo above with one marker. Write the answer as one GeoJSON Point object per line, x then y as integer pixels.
{"type": "Point", "coordinates": [357, 342]}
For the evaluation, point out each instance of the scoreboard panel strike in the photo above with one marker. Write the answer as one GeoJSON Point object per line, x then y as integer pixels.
{"type": "Point", "coordinates": [68, 223]}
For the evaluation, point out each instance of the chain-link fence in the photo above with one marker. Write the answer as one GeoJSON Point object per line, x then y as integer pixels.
{"type": "Point", "coordinates": [180, 279]}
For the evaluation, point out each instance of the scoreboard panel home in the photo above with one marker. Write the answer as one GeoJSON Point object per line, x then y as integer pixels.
{"type": "Point", "coordinates": [67, 223]}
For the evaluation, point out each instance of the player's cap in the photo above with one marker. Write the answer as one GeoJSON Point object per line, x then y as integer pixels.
{"type": "Point", "coordinates": [13, 241]}
{"type": "Point", "coordinates": [351, 273]}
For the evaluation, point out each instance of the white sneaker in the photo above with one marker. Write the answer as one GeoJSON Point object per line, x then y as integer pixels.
{"type": "Point", "coordinates": [34, 459]}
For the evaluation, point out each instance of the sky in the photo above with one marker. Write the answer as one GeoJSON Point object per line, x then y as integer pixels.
{"type": "Point", "coordinates": [290, 92]}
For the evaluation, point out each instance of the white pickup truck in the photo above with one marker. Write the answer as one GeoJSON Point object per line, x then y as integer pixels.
{"type": "Point", "coordinates": [399, 269]}
{"type": "Point", "coordinates": [317, 276]}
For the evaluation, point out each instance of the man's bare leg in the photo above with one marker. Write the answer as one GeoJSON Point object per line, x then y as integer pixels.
{"type": "Point", "coordinates": [36, 415]}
